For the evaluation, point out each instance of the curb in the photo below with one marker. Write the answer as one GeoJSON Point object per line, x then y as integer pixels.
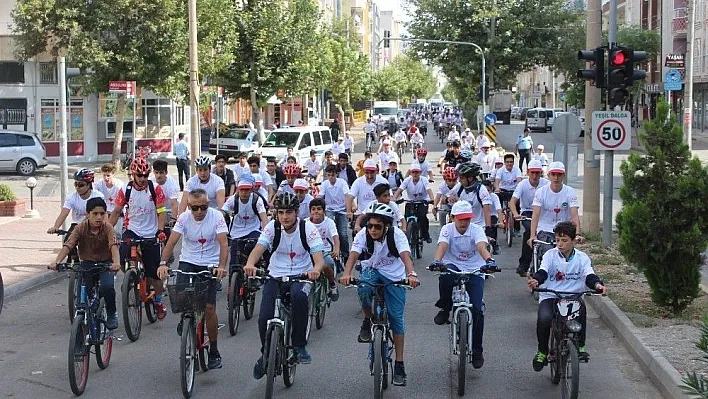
{"type": "Point", "coordinates": [664, 376]}
{"type": "Point", "coordinates": [21, 287]}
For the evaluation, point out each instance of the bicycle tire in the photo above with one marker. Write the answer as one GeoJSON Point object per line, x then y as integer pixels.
{"type": "Point", "coordinates": [187, 357]}
{"type": "Point", "coordinates": [572, 365]}
{"type": "Point", "coordinates": [535, 265]}
{"type": "Point", "coordinates": [104, 347]}
{"type": "Point", "coordinates": [203, 342]}
{"type": "Point", "coordinates": [132, 305]}
{"type": "Point", "coordinates": [312, 309]}
{"type": "Point", "coordinates": [234, 304]}
{"type": "Point", "coordinates": [409, 233]}
{"type": "Point", "coordinates": [509, 229]}
{"type": "Point", "coordinates": [271, 368]}
{"type": "Point", "coordinates": [2, 293]}
{"type": "Point", "coordinates": [79, 356]}
{"type": "Point", "coordinates": [289, 360]}
{"type": "Point", "coordinates": [462, 333]}
{"type": "Point", "coordinates": [248, 300]}
{"type": "Point", "coordinates": [72, 294]}
{"type": "Point", "coordinates": [377, 370]}
{"type": "Point", "coordinates": [149, 305]}
{"type": "Point", "coordinates": [555, 365]}
{"type": "Point", "coordinates": [415, 240]}
{"type": "Point", "coordinates": [322, 306]}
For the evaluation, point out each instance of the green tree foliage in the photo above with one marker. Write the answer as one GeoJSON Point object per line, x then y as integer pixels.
{"type": "Point", "coordinates": [448, 93]}
{"type": "Point", "coordinates": [349, 77]}
{"type": "Point", "coordinates": [695, 384]}
{"type": "Point", "coordinates": [405, 78]}
{"type": "Point", "coordinates": [662, 223]}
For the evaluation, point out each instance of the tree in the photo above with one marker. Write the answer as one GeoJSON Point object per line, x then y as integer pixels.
{"type": "Point", "coordinates": [662, 221]}
{"type": "Point", "coordinates": [695, 384]}
{"type": "Point", "coordinates": [405, 78]}
{"type": "Point", "coordinates": [448, 92]}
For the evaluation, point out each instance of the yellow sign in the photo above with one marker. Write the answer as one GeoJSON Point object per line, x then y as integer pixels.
{"type": "Point", "coordinates": [491, 132]}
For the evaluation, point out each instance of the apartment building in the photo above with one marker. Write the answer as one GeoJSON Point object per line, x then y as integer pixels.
{"type": "Point", "coordinates": [391, 24]}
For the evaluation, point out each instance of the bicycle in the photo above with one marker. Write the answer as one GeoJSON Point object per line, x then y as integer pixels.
{"type": "Point", "coordinates": [509, 220]}
{"type": "Point", "coordinates": [381, 344]}
{"type": "Point", "coordinates": [135, 292]}
{"type": "Point", "coordinates": [413, 228]}
{"type": "Point", "coordinates": [319, 301]}
{"type": "Point", "coordinates": [536, 259]}
{"type": "Point", "coordinates": [73, 290]}
{"type": "Point", "coordinates": [279, 357]}
{"type": "Point", "coordinates": [399, 149]}
{"type": "Point", "coordinates": [188, 298]}
{"type": "Point", "coordinates": [369, 141]}
{"type": "Point", "coordinates": [242, 290]}
{"type": "Point", "coordinates": [89, 326]}
{"type": "Point", "coordinates": [565, 338]}
{"type": "Point", "coordinates": [461, 326]}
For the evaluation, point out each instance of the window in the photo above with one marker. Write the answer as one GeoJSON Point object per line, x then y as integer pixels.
{"type": "Point", "coordinates": [317, 138]}
{"type": "Point", "coordinates": [157, 114]}
{"type": "Point", "coordinates": [48, 73]}
{"type": "Point", "coordinates": [12, 72]}
{"type": "Point", "coordinates": [8, 140]}
{"type": "Point", "coordinates": [306, 141]}
{"type": "Point", "coordinates": [25, 141]}
{"type": "Point", "coordinates": [282, 138]}
{"type": "Point", "coordinates": [127, 129]}
{"type": "Point", "coordinates": [51, 122]}
{"type": "Point", "coordinates": [326, 137]}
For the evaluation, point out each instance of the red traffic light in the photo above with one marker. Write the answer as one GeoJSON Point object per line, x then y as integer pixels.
{"type": "Point", "coordinates": [618, 58]}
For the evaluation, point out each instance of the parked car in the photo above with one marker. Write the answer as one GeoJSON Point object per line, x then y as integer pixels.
{"type": "Point", "coordinates": [233, 140]}
{"type": "Point", "coordinates": [21, 151]}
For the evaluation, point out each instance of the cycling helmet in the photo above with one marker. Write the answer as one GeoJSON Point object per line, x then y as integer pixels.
{"type": "Point", "coordinates": [450, 173]}
{"type": "Point", "coordinates": [286, 200]}
{"type": "Point", "coordinates": [468, 169]}
{"type": "Point", "coordinates": [466, 154]}
{"type": "Point", "coordinates": [421, 152]}
{"type": "Point", "coordinates": [382, 211]}
{"type": "Point", "coordinates": [202, 162]}
{"type": "Point", "coordinates": [291, 170]}
{"type": "Point", "coordinates": [139, 166]}
{"type": "Point", "coordinates": [85, 175]}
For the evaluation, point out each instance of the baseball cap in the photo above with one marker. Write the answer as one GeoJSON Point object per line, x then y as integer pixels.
{"type": "Point", "coordinates": [244, 183]}
{"type": "Point", "coordinates": [556, 167]}
{"type": "Point", "coordinates": [540, 147]}
{"type": "Point", "coordinates": [300, 184]}
{"type": "Point", "coordinates": [462, 210]}
{"type": "Point", "coordinates": [535, 166]}
{"type": "Point", "coordinates": [370, 164]}
{"type": "Point", "coordinates": [393, 159]}
{"type": "Point", "coordinates": [415, 167]}
{"type": "Point", "coordinates": [257, 179]}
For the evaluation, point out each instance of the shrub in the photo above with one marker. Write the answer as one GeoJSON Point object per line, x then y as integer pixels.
{"type": "Point", "coordinates": [662, 221]}
{"type": "Point", "coordinates": [6, 193]}
{"type": "Point", "coordinates": [695, 384]}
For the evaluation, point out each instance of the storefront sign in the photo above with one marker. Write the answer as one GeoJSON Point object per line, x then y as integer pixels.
{"type": "Point", "coordinates": [675, 61]}
{"type": "Point", "coordinates": [654, 87]}
{"type": "Point", "coordinates": [122, 86]}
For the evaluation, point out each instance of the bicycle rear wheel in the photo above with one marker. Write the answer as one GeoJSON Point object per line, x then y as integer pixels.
{"type": "Point", "coordinates": [554, 357]}
{"type": "Point", "coordinates": [188, 357]}
{"type": "Point", "coordinates": [416, 241]}
{"type": "Point", "coordinates": [72, 294]}
{"type": "Point", "coordinates": [462, 330]}
{"type": "Point", "coordinates": [321, 310]}
{"type": "Point", "coordinates": [234, 303]}
{"type": "Point", "coordinates": [202, 344]}
{"type": "Point", "coordinates": [289, 358]}
{"type": "Point", "coordinates": [2, 292]}
{"type": "Point", "coordinates": [411, 232]}
{"type": "Point", "coordinates": [379, 354]}
{"type": "Point", "coordinates": [79, 356]}
{"type": "Point", "coordinates": [571, 372]}
{"type": "Point", "coordinates": [132, 305]}
{"type": "Point", "coordinates": [248, 299]}
{"type": "Point", "coordinates": [104, 347]}
{"type": "Point", "coordinates": [274, 340]}
{"type": "Point", "coordinates": [509, 226]}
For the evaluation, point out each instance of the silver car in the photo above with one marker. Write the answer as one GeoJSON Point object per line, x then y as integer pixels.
{"type": "Point", "coordinates": [22, 152]}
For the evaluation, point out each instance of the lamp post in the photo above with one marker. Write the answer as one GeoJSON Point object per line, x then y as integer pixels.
{"type": "Point", "coordinates": [31, 183]}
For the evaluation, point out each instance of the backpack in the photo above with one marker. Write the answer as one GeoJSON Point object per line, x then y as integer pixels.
{"type": "Point", "coordinates": [237, 200]}
{"type": "Point", "coordinates": [279, 232]}
{"type": "Point", "coordinates": [390, 242]}
{"type": "Point", "coordinates": [476, 188]}
{"type": "Point", "coordinates": [129, 189]}
{"type": "Point", "coordinates": [399, 177]}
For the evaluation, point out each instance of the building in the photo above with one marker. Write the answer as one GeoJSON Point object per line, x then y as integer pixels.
{"type": "Point", "coordinates": [376, 36]}
{"type": "Point", "coordinates": [540, 87]}
{"type": "Point", "coordinates": [391, 24]}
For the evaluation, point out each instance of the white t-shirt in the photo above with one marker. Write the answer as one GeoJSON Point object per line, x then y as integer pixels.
{"type": "Point", "coordinates": [245, 221]}
{"type": "Point", "coordinates": [397, 214]}
{"type": "Point", "coordinates": [389, 266]}
{"type": "Point", "coordinates": [507, 178]}
{"type": "Point", "coordinates": [239, 170]}
{"type": "Point", "coordinates": [170, 188]}
{"type": "Point", "coordinates": [383, 159]}
{"type": "Point", "coordinates": [400, 136]}
{"type": "Point", "coordinates": [424, 168]}
{"type": "Point", "coordinates": [212, 186]}
{"type": "Point", "coordinates": [327, 229]}
{"type": "Point", "coordinates": [486, 161]}
{"type": "Point", "coordinates": [337, 149]}
{"type": "Point", "coordinates": [471, 197]}
{"type": "Point", "coordinates": [462, 248]}
{"type": "Point", "coordinates": [285, 187]}
{"type": "Point", "coordinates": [109, 194]}
{"type": "Point", "coordinates": [313, 167]}
{"type": "Point", "coordinates": [77, 205]}
{"type": "Point", "coordinates": [542, 157]}
{"type": "Point", "coordinates": [141, 212]}
{"type": "Point", "coordinates": [496, 204]}
{"type": "Point", "coordinates": [363, 192]}
{"type": "Point", "coordinates": [525, 192]}
{"type": "Point", "coordinates": [334, 194]}
{"type": "Point", "coordinates": [199, 243]}
{"type": "Point", "coordinates": [555, 207]}
{"type": "Point", "coordinates": [290, 258]}
{"type": "Point", "coordinates": [565, 275]}
{"type": "Point", "coordinates": [417, 138]}
{"type": "Point", "coordinates": [267, 181]}
{"type": "Point", "coordinates": [348, 143]}
{"type": "Point", "coordinates": [415, 191]}
{"type": "Point", "coordinates": [304, 211]}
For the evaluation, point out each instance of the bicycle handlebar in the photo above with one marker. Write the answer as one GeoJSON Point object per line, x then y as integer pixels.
{"type": "Point", "coordinates": [543, 242]}
{"type": "Point", "coordinates": [137, 241]}
{"type": "Point", "coordinates": [95, 267]}
{"type": "Point", "coordinates": [355, 282]}
{"type": "Point", "coordinates": [560, 293]}
{"type": "Point", "coordinates": [61, 232]}
{"type": "Point", "coordinates": [209, 273]}
{"type": "Point", "coordinates": [422, 202]}
{"type": "Point", "coordinates": [443, 269]}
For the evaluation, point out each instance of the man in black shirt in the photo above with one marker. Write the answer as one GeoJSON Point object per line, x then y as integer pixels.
{"type": "Point", "coordinates": [225, 173]}
{"type": "Point", "coordinates": [454, 157]}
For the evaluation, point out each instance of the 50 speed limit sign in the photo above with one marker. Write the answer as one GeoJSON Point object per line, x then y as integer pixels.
{"type": "Point", "coordinates": [611, 130]}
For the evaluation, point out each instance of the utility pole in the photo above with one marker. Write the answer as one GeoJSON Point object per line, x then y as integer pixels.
{"type": "Point", "coordinates": [609, 155]}
{"type": "Point", "coordinates": [492, 31]}
{"type": "Point", "coordinates": [195, 132]}
{"type": "Point", "coordinates": [591, 167]}
{"type": "Point", "coordinates": [63, 134]}
{"type": "Point", "coordinates": [688, 96]}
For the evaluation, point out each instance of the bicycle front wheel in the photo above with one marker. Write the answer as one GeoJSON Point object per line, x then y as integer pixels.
{"type": "Point", "coordinates": [234, 303]}
{"type": "Point", "coordinates": [571, 372]}
{"type": "Point", "coordinates": [462, 330]}
{"type": "Point", "coordinates": [322, 305]}
{"type": "Point", "coordinates": [188, 357]}
{"type": "Point", "coordinates": [509, 228]}
{"type": "Point", "coordinates": [72, 294]}
{"type": "Point", "coordinates": [554, 357]}
{"type": "Point", "coordinates": [104, 347]}
{"type": "Point", "coordinates": [150, 310]}
{"type": "Point", "coordinates": [132, 305]}
{"type": "Point", "coordinates": [79, 356]}
{"type": "Point", "coordinates": [379, 361]}
{"type": "Point", "coordinates": [248, 299]}
{"type": "Point", "coordinates": [202, 344]}
{"type": "Point", "coordinates": [275, 337]}
{"type": "Point", "coordinates": [312, 309]}
{"type": "Point", "coordinates": [2, 292]}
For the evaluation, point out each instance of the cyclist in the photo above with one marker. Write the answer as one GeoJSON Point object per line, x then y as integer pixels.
{"type": "Point", "coordinates": [212, 184]}
{"type": "Point", "coordinates": [291, 172]}
{"type": "Point", "coordinates": [392, 174]}
{"type": "Point", "coordinates": [204, 231]}
{"type": "Point", "coordinates": [254, 164]}
{"type": "Point", "coordinates": [302, 193]}
{"type": "Point", "coordinates": [439, 205]}
{"type": "Point", "coordinates": [334, 191]}
{"type": "Point", "coordinates": [360, 164]}
{"type": "Point", "coordinates": [506, 179]}
{"type": "Point", "coordinates": [345, 169]}
{"type": "Point", "coordinates": [389, 260]}
{"type": "Point", "coordinates": [523, 196]}
{"type": "Point", "coordinates": [425, 169]}
{"type": "Point", "coordinates": [330, 242]}
{"type": "Point", "coordinates": [471, 189]}
{"type": "Point", "coordinates": [486, 158]}
{"type": "Point", "coordinates": [348, 144]}
{"type": "Point", "coordinates": [462, 246]}
{"type": "Point", "coordinates": [401, 139]}
{"type": "Point", "coordinates": [569, 269]}
{"type": "Point", "coordinates": [242, 166]}
{"type": "Point", "coordinates": [284, 160]}
{"type": "Point", "coordinates": [553, 203]}
{"type": "Point", "coordinates": [385, 155]}
{"type": "Point", "coordinates": [363, 191]}
{"type": "Point", "coordinates": [313, 165]}
{"type": "Point", "coordinates": [249, 212]}
{"type": "Point", "coordinates": [383, 196]}
{"type": "Point", "coordinates": [96, 241]}
{"type": "Point", "coordinates": [370, 130]}
{"type": "Point", "coordinates": [417, 189]}
{"type": "Point", "coordinates": [145, 217]}
{"type": "Point", "coordinates": [76, 202]}
{"type": "Point", "coordinates": [109, 187]}
{"type": "Point", "coordinates": [417, 140]}
{"type": "Point", "coordinates": [540, 156]}
{"type": "Point", "coordinates": [291, 255]}
{"type": "Point", "coordinates": [495, 210]}
{"type": "Point", "coordinates": [338, 147]}
{"type": "Point", "coordinates": [441, 162]}
{"type": "Point", "coordinates": [453, 156]}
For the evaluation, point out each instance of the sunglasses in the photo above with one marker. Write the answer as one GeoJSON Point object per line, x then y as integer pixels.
{"type": "Point", "coordinates": [199, 207]}
{"type": "Point", "coordinates": [80, 185]}
{"type": "Point", "coordinates": [375, 226]}
{"type": "Point", "coordinates": [145, 175]}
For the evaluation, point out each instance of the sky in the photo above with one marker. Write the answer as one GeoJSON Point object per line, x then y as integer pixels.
{"type": "Point", "coordinates": [395, 5]}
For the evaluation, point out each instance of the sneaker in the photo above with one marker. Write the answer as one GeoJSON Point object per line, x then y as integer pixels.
{"type": "Point", "coordinates": [428, 240]}
{"type": "Point", "coordinates": [365, 331]}
{"type": "Point", "coordinates": [303, 356]}
{"type": "Point", "coordinates": [334, 293]}
{"type": "Point", "coordinates": [477, 360]}
{"type": "Point", "coordinates": [522, 270]}
{"type": "Point", "coordinates": [219, 287]}
{"type": "Point", "coordinates": [583, 354]}
{"type": "Point", "coordinates": [443, 317]}
{"type": "Point", "coordinates": [258, 371]}
{"type": "Point", "coordinates": [517, 233]}
{"type": "Point", "coordinates": [399, 374]}
{"type": "Point", "coordinates": [214, 360]}
{"type": "Point", "coordinates": [539, 361]}
{"type": "Point", "coordinates": [161, 310]}
{"type": "Point", "coordinates": [112, 320]}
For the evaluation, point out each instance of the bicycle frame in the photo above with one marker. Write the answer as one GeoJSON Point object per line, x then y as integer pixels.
{"type": "Point", "coordinates": [135, 262]}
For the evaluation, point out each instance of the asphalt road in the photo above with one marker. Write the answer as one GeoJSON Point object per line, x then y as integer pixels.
{"type": "Point", "coordinates": [35, 333]}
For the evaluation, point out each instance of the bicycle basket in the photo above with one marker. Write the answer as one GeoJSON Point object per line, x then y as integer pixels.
{"type": "Point", "coordinates": [186, 295]}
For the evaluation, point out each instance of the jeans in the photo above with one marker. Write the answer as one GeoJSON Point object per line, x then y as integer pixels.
{"type": "Point", "coordinates": [106, 289]}
{"type": "Point", "coordinates": [299, 302]}
{"type": "Point", "coordinates": [340, 219]}
{"type": "Point", "coordinates": [475, 289]}
{"type": "Point", "coordinates": [546, 310]}
{"type": "Point", "coordinates": [421, 212]}
{"type": "Point", "coordinates": [394, 297]}
{"type": "Point", "coordinates": [524, 155]}
{"type": "Point", "coordinates": [182, 170]}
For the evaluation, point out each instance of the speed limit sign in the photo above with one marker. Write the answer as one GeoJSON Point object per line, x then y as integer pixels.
{"type": "Point", "coordinates": [611, 130]}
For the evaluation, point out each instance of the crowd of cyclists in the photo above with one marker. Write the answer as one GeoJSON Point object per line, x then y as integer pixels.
{"type": "Point", "coordinates": [302, 217]}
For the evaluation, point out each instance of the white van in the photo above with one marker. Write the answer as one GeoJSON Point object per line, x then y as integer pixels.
{"type": "Point", "coordinates": [302, 139]}
{"type": "Point", "coordinates": [537, 119]}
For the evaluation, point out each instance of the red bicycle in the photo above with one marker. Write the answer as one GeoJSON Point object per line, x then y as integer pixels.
{"type": "Point", "coordinates": [135, 292]}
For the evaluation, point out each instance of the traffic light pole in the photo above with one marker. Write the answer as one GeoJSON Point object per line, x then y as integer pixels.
{"type": "Point", "coordinates": [609, 155]}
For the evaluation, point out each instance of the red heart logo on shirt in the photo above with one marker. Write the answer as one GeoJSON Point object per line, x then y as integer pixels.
{"type": "Point", "coordinates": [292, 255]}
{"type": "Point", "coordinates": [560, 276]}
{"type": "Point", "coordinates": [246, 217]}
{"type": "Point", "coordinates": [556, 210]}
{"type": "Point", "coordinates": [110, 199]}
{"type": "Point", "coordinates": [202, 240]}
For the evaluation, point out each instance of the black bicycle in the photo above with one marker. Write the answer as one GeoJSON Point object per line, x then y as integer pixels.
{"type": "Point", "coordinates": [242, 290]}
{"type": "Point", "coordinates": [413, 227]}
{"type": "Point", "coordinates": [565, 339]}
{"type": "Point", "coordinates": [89, 326]}
{"type": "Point", "coordinates": [536, 259]}
{"type": "Point", "coordinates": [73, 290]}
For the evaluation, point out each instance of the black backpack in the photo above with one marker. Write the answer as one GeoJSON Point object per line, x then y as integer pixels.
{"type": "Point", "coordinates": [476, 188]}
{"type": "Point", "coordinates": [129, 189]}
{"type": "Point", "coordinates": [237, 200]}
{"type": "Point", "coordinates": [390, 242]}
{"type": "Point", "coordinates": [279, 232]}
{"type": "Point", "coordinates": [399, 177]}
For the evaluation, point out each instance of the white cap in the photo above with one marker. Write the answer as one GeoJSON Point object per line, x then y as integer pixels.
{"type": "Point", "coordinates": [387, 142]}
{"type": "Point", "coordinates": [340, 138]}
{"type": "Point", "coordinates": [462, 210]}
{"type": "Point", "coordinates": [415, 167]}
{"type": "Point", "coordinates": [370, 164]}
{"type": "Point", "coordinates": [492, 144]}
{"type": "Point", "coordinates": [467, 129]}
{"type": "Point", "coordinates": [535, 166]}
{"type": "Point", "coordinates": [485, 143]}
{"type": "Point", "coordinates": [300, 184]}
{"type": "Point", "coordinates": [540, 147]}
{"type": "Point", "coordinates": [393, 158]}
{"type": "Point", "coordinates": [556, 167]}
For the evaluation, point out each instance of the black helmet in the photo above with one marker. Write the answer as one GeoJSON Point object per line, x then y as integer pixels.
{"type": "Point", "coordinates": [85, 175]}
{"type": "Point", "coordinates": [468, 169]}
{"type": "Point", "coordinates": [286, 201]}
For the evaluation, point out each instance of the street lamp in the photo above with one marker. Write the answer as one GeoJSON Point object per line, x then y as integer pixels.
{"type": "Point", "coordinates": [31, 183]}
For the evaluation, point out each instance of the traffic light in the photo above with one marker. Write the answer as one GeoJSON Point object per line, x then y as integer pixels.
{"type": "Point", "coordinates": [479, 93]}
{"type": "Point", "coordinates": [618, 75]}
{"type": "Point", "coordinates": [635, 74]}
{"type": "Point", "coordinates": [597, 72]}
{"type": "Point", "coordinates": [72, 85]}
{"type": "Point", "coordinates": [387, 41]}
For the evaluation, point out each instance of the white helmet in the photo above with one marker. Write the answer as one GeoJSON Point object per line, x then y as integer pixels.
{"type": "Point", "coordinates": [380, 210]}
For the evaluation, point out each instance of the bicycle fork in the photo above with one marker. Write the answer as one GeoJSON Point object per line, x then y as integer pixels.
{"type": "Point", "coordinates": [461, 307]}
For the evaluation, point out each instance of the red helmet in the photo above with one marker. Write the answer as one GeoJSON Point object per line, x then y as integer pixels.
{"type": "Point", "coordinates": [421, 152]}
{"type": "Point", "coordinates": [291, 170]}
{"type": "Point", "coordinates": [139, 166]}
{"type": "Point", "coordinates": [450, 173]}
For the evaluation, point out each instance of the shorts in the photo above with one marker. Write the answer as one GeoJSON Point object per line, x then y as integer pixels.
{"type": "Point", "coordinates": [192, 268]}
{"type": "Point", "coordinates": [394, 297]}
{"type": "Point", "coordinates": [150, 254]}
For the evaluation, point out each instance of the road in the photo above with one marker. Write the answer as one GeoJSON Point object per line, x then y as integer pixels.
{"type": "Point", "coordinates": [35, 331]}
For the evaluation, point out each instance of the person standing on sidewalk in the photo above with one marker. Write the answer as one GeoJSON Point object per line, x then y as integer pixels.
{"type": "Point", "coordinates": [182, 153]}
{"type": "Point", "coordinates": [524, 148]}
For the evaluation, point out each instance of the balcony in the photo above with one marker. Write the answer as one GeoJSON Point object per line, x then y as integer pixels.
{"type": "Point", "coordinates": [679, 24]}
